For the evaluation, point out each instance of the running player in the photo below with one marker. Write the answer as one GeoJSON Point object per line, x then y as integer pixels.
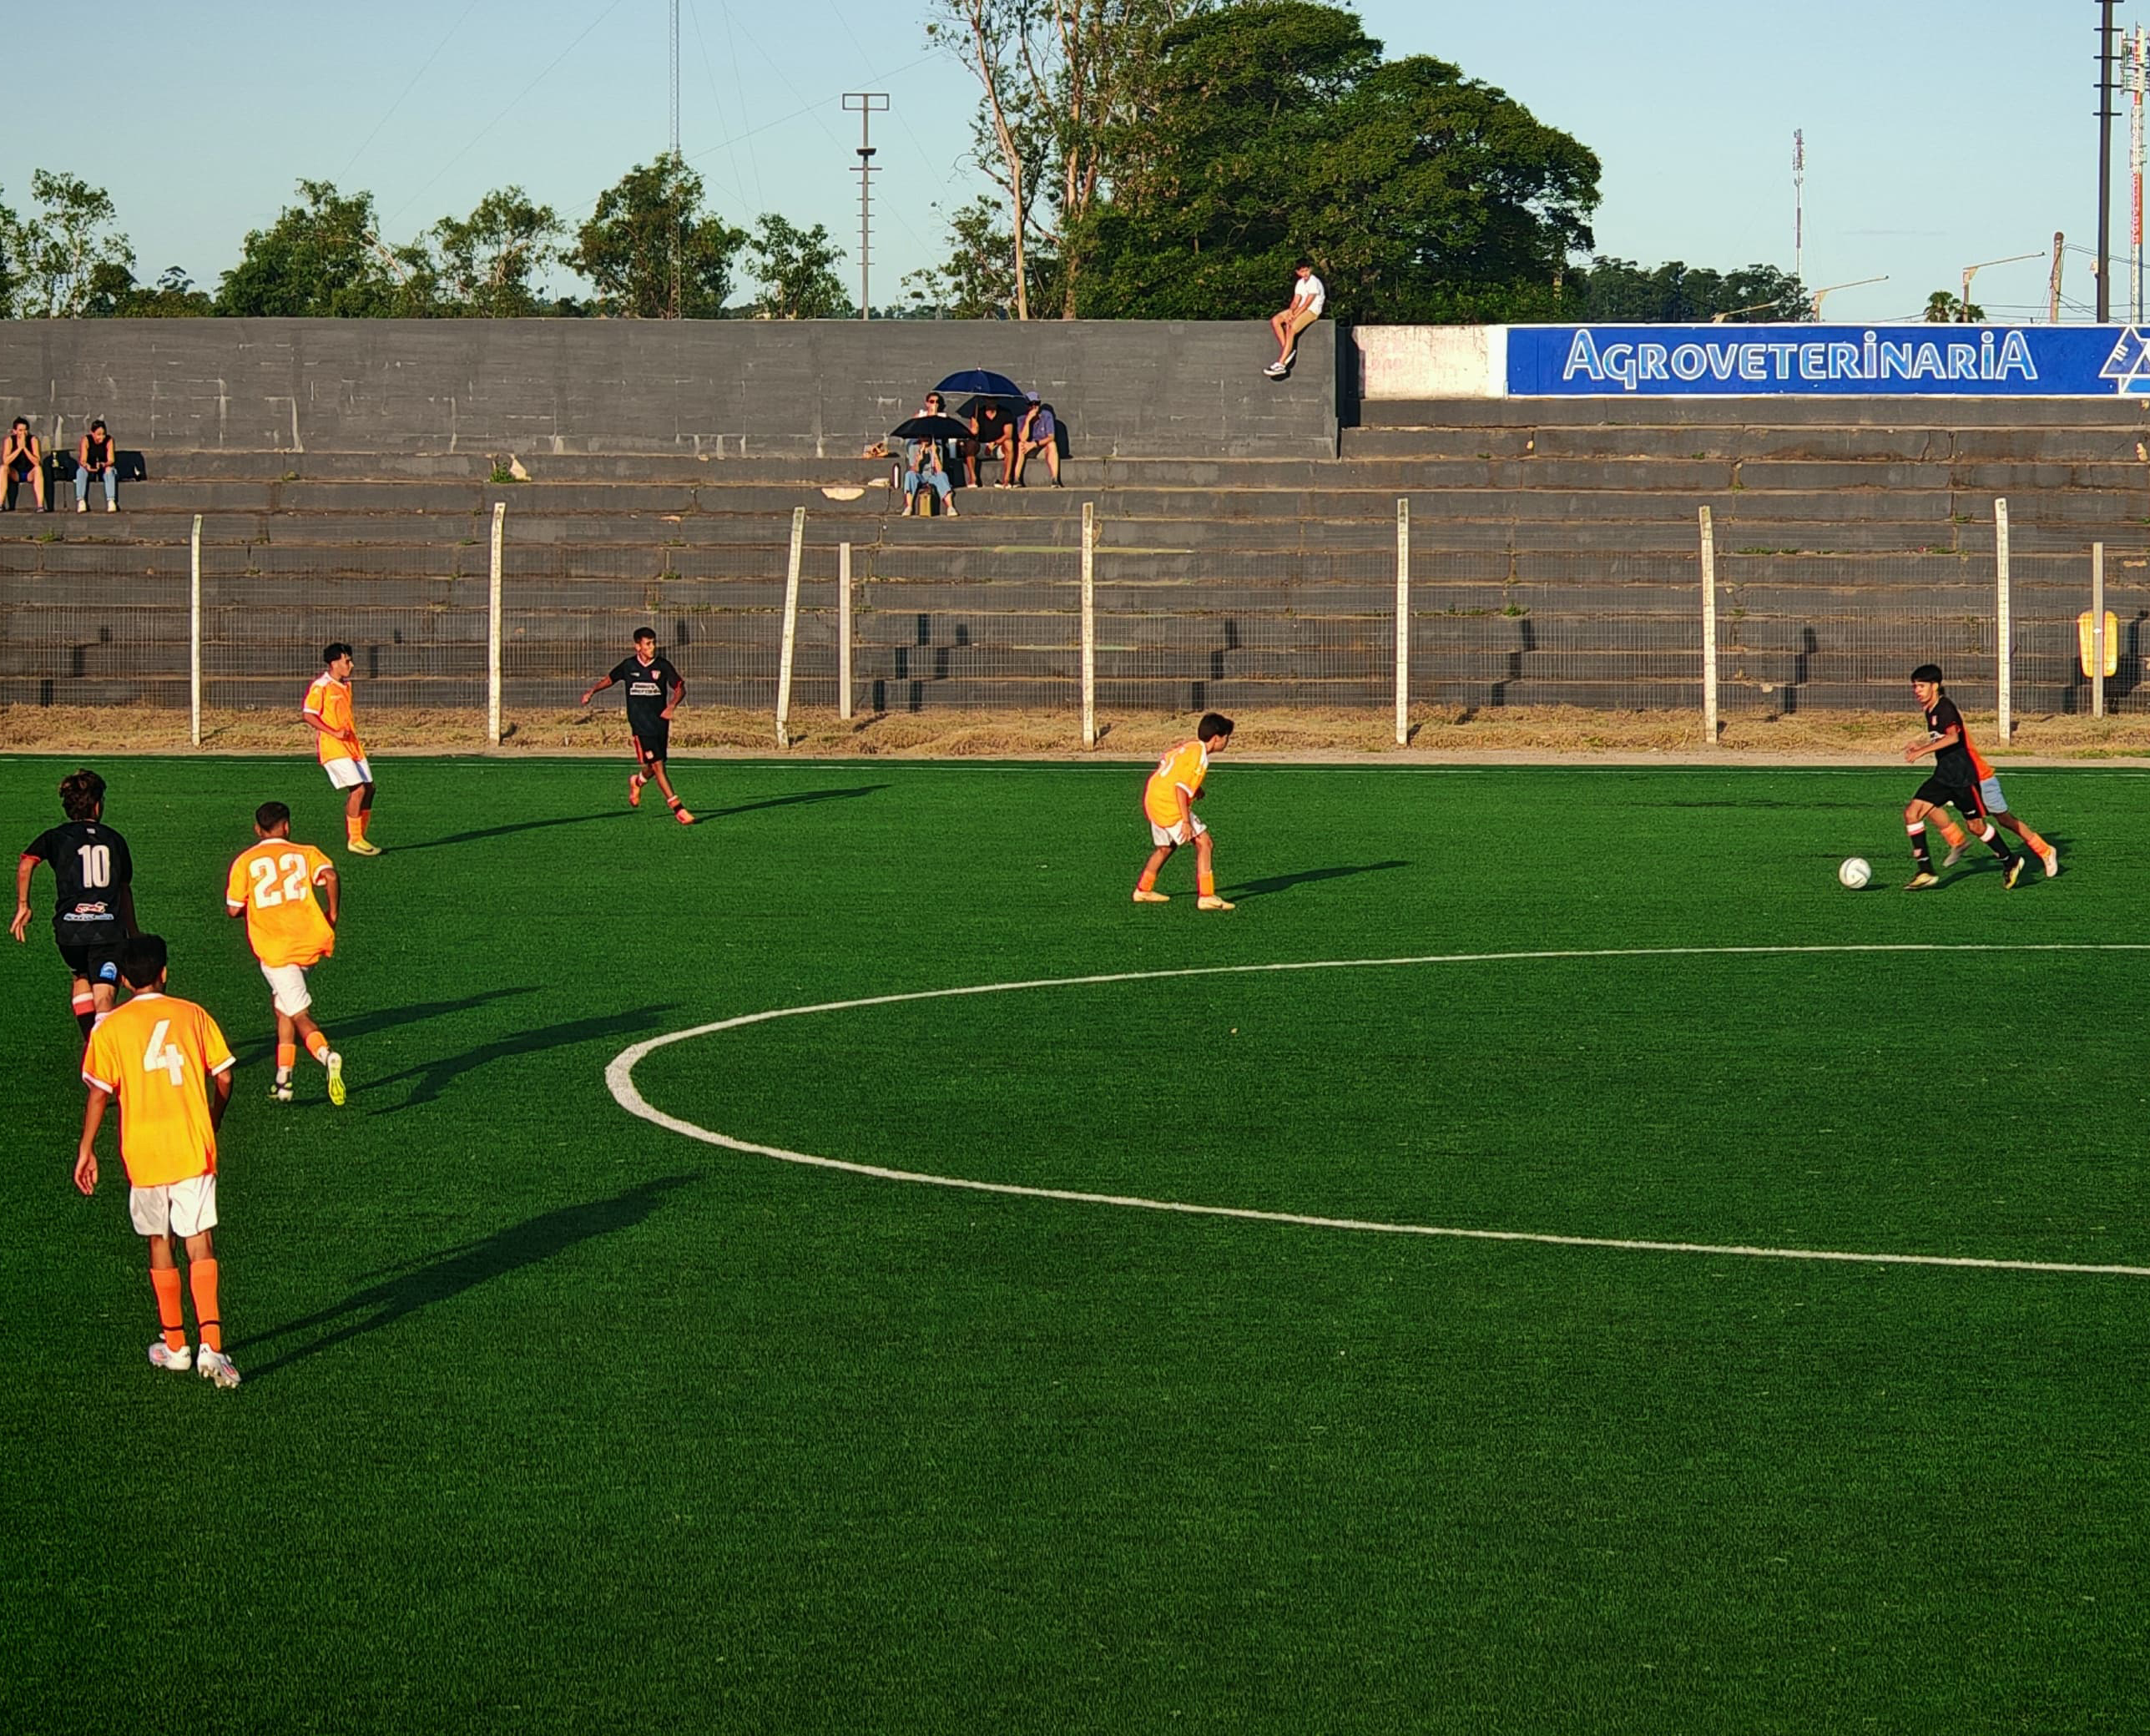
{"type": "Point", "coordinates": [1168, 804]}
{"type": "Point", "coordinates": [94, 911]}
{"type": "Point", "coordinates": [1996, 806]}
{"type": "Point", "coordinates": [328, 713]}
{"type": "Point", "coordinates": [272, 886]}
{"type": "Point", "coordinates": [1954, 782]}
{"type": "Point", "coordinates": [653, 691]}
{"type": "Point", "coordinates": [169, 1067]}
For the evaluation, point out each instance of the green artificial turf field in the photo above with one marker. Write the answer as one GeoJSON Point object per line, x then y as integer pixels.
{"type": "Point", "coordinates": [556, 1419]}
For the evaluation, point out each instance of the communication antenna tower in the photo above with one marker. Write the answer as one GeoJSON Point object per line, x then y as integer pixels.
{"type": "Point", "coordinates": [675, 80]}
{"type": "Point", "coordinates": [867, 103]}
{"type": "Point", "coordinates": [1799, 198]}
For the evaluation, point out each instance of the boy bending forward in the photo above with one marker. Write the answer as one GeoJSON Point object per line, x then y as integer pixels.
{"type": "Point", "coordinates": [1168, 804]}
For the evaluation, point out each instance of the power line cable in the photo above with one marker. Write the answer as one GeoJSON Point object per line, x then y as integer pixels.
{"type": "Point", "coordinates": [407, 90]}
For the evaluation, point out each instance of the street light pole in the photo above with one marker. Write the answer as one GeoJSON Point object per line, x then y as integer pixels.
{"type": "Point", "coordinates": [1963, 312]}
{"type": "Point", "coordinates": [865, 103]}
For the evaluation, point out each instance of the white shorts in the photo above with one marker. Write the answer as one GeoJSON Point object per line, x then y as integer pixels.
{"type": "Point", "coordinates": [1989, 792]}
{"type": "Point", "coordinates": [1161, 835]}
{"type": "Point", "coordinates": [179, 1209]}
{"type": "Point", "coordinates": [287, 988]}
{"type": "Point", "coordinates": [347, 773]}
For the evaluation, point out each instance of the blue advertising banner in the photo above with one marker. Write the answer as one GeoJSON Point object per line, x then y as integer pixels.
{"type": "Point", "coordinates": [1726, 361]}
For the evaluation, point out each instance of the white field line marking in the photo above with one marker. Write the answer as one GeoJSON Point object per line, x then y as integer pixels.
{"type": "Point", "coordinates": [619, 1078]}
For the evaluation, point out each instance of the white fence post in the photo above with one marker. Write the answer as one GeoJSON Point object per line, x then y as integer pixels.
{"type": "Point", "coordinates": [195, 640]}
{"type": "Point", "coordinates": [2098, 630]}
{"type": "Point", "coordinates": [790, 628]}
{"type": "Point", "coordinates": [1089, 623]}
{"type": "Point", "coordinates": [844, 631]}
{"type": "Point", "coordinates": [492, 628]}
{"type": "Point", "coordinates": [1403, 623]}
{"type": "Point", "coordinates": [1708, 628]}
{"type": "Point", "coordinates": [2002, 626]}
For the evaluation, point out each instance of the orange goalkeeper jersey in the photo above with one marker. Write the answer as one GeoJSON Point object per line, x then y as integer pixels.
{"type": "Point", "coordinates": [156, 1054]}
{"type": "Point", "coordinates": [274, 884]}
{"type": "Point", "coordinates": [329, 699]}
{"type": "Point", "coordinates": [1183, 768]}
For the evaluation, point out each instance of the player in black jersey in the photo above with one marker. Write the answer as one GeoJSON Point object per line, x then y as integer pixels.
{"type": "Point", "coordinates": [1953, 782]}
{"type": "Point", "coordinates": [94, 916]}
{"type": "Point", "coordinates": [653, 689]}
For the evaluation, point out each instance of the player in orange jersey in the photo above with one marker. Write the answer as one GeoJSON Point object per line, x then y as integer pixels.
{"type": "Point", "coordinates": [328, 713]}
{"type": "Point", "coordinates": [1996, 810]}
{"type": "Point", "coordinates": [169, 1067]}
{"type": "Point", "coordinates": [1168, 804]}
{"type": "Point", "coordinates": [272, 886]}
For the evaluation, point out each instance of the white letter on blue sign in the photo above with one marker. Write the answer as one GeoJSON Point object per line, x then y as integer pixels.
{"type": "Point", "coordinates": [1750, 360]}
{"type": "Point", "coordinates": [1582, 358]}
{"type": "Point", "coordinates": [1814, 361]}
{"type": "Point", "coordinates": [1618, 362]}
{"type": "Point", "coordinates": [2015, 353]}
{"type": "Point", "coordinates": [1928, 364]}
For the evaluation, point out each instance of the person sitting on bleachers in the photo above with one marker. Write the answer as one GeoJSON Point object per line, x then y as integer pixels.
{"type": "Point", "coordinates": [94, 458]}
{"type": "Point", "coordinates": [21, 456]}
{"type": "Point", "coordinates": [922, 463]}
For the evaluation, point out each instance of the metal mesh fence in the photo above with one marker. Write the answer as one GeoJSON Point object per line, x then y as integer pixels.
{"type": "Point", "coordinates": [1305, 620]}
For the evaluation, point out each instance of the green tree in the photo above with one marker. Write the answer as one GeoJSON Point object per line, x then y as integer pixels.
{"type": "Point", "coordinates": [488, 259]}
{"type": "Point", "coordinates": [1614, 292]}
{"type": "Point", "coordinates": [652, 252]}
{"type": "Point", "coordinates": [115, 295]}
{"type": "Point", "coordinates": [1271, 129]}
{"type": "Point", "coordinates": [795, 267]}
{"type": "Point", "coordinates": [978, 282]}
{"type": "Point", "coordinates": [55, 254]}
{"type": "Point", "coordinates": [1946, 308]}
{"type": "Point", "coordinates": [324, 258]}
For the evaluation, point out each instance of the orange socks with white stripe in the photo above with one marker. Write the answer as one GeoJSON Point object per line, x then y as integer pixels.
{"type": "Point", "coordinates": [317, 1046]}
{"type": "Point", "coordinates": [201, 1274]}
{"type": "Point", "coordinates": [165, 1281]}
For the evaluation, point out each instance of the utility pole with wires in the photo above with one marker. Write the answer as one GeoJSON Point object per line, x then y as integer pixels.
{"type": "Point", "coordinates": [865, 104]}
{"type": "Point", "coordinates": [2054, 286]}
{"type": "Point", "coordinates": [2105, 120]}
{"type": "Point", "coordinates": [1799, 198]}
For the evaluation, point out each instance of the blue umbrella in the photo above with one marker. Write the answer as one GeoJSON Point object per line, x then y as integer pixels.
{"type": "Point", "coordinates": [981, 380]}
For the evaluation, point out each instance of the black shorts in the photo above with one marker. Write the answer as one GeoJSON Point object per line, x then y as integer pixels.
{"type": "Point", "coordinates": [1964, 797]}
{"type": "Point", "coordinates": [652, 736]}
{"type": "Point", "coordinates": [95, 962]}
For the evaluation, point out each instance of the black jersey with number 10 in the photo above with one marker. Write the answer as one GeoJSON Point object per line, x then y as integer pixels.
{"type": "Point", "coordinates": [92, 865]}
{"type": "Point", "coordinates": [648, 686]}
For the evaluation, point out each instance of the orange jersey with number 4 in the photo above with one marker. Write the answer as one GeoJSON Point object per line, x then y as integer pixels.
{"type": "Point", "coordinates": [329, 699]}
{"type": "Point", "coordinates": [1183, 768]}
{"type": "Point", "coordinates": [274, 884]}
{"type": "Point", "coordinates": [156, 1054]}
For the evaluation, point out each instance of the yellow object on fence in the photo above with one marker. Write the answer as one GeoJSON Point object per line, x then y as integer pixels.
{"type": "Point", "coordinates": [2083, 634]}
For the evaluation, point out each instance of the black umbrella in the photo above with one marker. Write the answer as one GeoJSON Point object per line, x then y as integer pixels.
{"type": "Point", "coordinates": [984, 379]}
{"type": "Point", "coordinates": [931, 427]}
{"type": "Point", "coordinates": [1013, 407]}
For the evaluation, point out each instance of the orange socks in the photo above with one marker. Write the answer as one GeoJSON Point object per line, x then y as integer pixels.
{"type": "Point", "coordinates": [2035, 841]}
{"type": "Point", "coordinates": [1953, 833]}
{"type": "Point", "coordinates": [1147, 883]}
{"type": "Point", "coordinates": [287, 1053]}
{"type": "Point", "coordinates": [201, 1274]}
{"type": "Point", "coordinates": [1205, 882]}
{"type": "Point", "coordinates": [317, 1046]}
{"type": "Point", "coordinates": [165, 1281]}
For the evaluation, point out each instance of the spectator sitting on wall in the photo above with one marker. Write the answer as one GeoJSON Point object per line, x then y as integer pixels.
{"type": "Point", "coordinates": [1038, 432]}
{"type": "Point", "coordinates": [922, 464]}
{"type": "Point", "coordinates": [952, 451]}
{"type": "Point", "coordinates": [21, 456]}
{"type": "Point", "coordinates": [992, 430]}
{"type": "Point", "coordinates": [94, 458]}
{"type": "Point", "coordinates": [1307, 298]}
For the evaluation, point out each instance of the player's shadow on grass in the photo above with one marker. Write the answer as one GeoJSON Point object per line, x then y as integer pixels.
{"type": "Point", "coordinates": [365, 1024]}
{"type": "Point", "coordinates": [510, 830]}
{"type": "Point", "coordinates": [787, 801]}
{"type": "Point", "coordinates": [1276, 883]}
{"type": "Point", "coordinates": [402, 1292]}
{"type": "Point", "coordinates": [434, 1076]}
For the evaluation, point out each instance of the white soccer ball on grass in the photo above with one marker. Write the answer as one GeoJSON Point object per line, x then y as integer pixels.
{"type": "Point", "coordinates": [1854, 871]}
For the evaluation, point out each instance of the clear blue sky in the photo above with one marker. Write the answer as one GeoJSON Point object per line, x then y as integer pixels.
{"type": "Point", "coordinates": [1932, 142]}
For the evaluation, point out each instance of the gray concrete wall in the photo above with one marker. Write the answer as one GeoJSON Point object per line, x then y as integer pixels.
{"type": "Point", "coordinates": [726, 388]}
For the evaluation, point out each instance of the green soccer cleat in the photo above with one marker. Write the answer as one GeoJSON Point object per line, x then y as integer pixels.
{"type": "Point", "coordinates": [361, 847]}
{"type": "Point", "coordinates": [1921, 881]}
{"type": "Point", "coordinates": [336, 1092]}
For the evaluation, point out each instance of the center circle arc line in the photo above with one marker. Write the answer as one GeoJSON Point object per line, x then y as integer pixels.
{"type": "Point", "coordinates": [619, 1080]}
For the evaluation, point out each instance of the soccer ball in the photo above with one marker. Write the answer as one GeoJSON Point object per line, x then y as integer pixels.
{"type": "Point", "coordinates": [1854, 871]}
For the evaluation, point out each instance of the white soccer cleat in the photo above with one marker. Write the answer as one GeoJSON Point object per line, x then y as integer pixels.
{"type": "Point", "coordinates": [215, 1365]}
{"type": "Point", "coordinates": [280, 1091]}
{"type": "Point", "coordinates": [163, 1355]}
{"type": "Point", "coordinates": [2051, 858]}
{"type": "Point", "coordinates": [1954, 854]}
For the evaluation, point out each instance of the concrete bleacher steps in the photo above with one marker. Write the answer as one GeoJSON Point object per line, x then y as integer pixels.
{"type": "Point", "coordinates": [1554, 562]}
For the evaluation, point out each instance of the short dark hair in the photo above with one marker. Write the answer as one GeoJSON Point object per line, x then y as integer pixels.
{"type": "Point", "coordinates": [1302, 260]}
{"type": "Point", "coordinates": [97, 423]}
{"type": "Point", "coordinates": [80, 792]}
{"type": "Point", "coordinates": [1928, 672]}
{"type": "Point", "coordinates": [143, 960]}
{"type": "Point", "coordinates": [333, 649]}
{"type": "Point", "coordinates": [1214, 722]}
{"type": "Point", "coordinates": [271, 815]}
{"type": "Point", "coordinates": [20, 422]}
{"type": "Point", "coordinates": [645, 633]}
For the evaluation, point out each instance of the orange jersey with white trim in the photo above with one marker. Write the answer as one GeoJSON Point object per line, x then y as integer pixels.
{"type": "Point", "coordinates": [1183, 768]}
{"type": "Point", "coordinates": [274, 884]}
{"type": "Point", "coordinates": [155, 1054]}
{"type": "Point", "coordinates": [329, 699]}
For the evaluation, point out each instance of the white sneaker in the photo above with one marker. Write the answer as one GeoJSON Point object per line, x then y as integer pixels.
{"type": "Point", "coordinates": [1954, 856]}
{"type": "Point", "coordinates": [162, 1356]}
{"type": "Point", "coordinates": [2051, 858]}
{"type": "Point", "coordinates": [215, 1365]}
{"type": "Point", "coordinates": [280, 1091]}
{"type": "Point", "coordinates": [82, 505]}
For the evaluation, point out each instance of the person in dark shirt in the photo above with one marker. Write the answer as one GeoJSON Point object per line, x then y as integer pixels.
{"type": "Point", "coordinates": [93, 914]}
{"type": "Point", "coordinates": [653, 689]}
{"type": "Point", "coordinates": [1953, 782]}
{"type": "Point", "coordinates": [993, 433]}
{"type": "Point", "coordinates": [93, 464]}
